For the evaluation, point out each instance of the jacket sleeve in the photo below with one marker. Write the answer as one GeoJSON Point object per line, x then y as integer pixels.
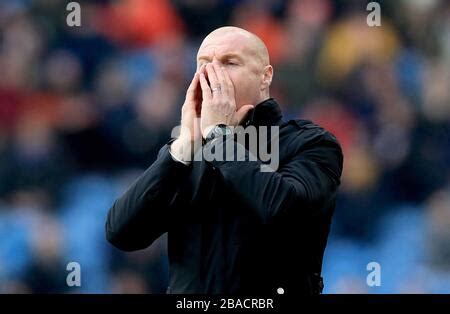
{"type": "Point", "coordinates": [306, 181]}
{"type": "Point", "coordinates": [141, 214]}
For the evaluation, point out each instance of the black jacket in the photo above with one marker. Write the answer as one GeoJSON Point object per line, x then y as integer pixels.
{"type": "Point", "coordinates": [232, 228]}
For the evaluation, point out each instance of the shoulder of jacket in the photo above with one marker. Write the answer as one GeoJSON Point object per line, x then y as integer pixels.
{"type": "Point", "coordinates": [310, 130]}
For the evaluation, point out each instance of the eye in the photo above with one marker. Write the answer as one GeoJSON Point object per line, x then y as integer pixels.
{"type": "Point", "coordinates": [231, 63]}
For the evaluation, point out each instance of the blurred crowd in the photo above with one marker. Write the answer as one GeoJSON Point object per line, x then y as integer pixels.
{"type": "Point", "coordinates": [84, 110]}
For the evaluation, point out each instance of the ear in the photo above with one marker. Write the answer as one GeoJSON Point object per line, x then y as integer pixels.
{"type": "Point", "coordinates": [267, 77]}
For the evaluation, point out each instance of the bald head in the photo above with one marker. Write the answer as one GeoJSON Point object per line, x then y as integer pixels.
{"type": "Point", "coordinates": [246, 58]}
{"type": "Point", "coordinates": [252, 43]}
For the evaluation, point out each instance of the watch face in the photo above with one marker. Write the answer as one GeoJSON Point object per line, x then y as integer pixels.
{"type": "Point", "coordinates": [223, 129]}
{"type": "Point", "coordinates": [219, 130]}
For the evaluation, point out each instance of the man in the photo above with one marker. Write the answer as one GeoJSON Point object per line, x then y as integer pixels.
{"type": "Point", "coordinates": [233, 228]}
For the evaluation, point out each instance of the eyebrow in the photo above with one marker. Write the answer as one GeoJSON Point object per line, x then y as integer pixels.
{"type": "Point", "coordinates": [224, 56]}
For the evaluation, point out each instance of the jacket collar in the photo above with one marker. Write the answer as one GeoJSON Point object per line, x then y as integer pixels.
{"type": "Point", "coordinates": [267, 112]}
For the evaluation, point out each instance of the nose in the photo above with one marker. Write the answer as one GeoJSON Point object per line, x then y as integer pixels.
{"type": "Point", "coordinates": [215, 60]}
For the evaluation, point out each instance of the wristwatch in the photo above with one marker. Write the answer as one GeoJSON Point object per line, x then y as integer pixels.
{"type": "Point", "coordinates": [218, 131]}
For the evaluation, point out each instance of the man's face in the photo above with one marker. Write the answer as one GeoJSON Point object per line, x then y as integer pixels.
{"type": "Point", "coordinates": [236, 54]}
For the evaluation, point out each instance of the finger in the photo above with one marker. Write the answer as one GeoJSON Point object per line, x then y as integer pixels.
{"type": "Point", "coordinates": [220, 77]}
{"type": "Point", "coordinates": [212, 76]}
{"type": "Point", "coordinates": [195, 82]}
{"type": "Point", "coordinates": [201, 70]}
{"type": "Point", "coordinates": [228, 81]}
{"type": "Point", "coordinates": [206, 91]}
{"type": "Point", "coordinates": [192, 93]}
{"type": "Point", "coordinates": [197, 100]}
{"type": "Point", "coordinates": [193, 86]}
{"type": "Point", "coordinates": [242, 112]}
{"type": "Point", "coordinates": [202, 67]}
